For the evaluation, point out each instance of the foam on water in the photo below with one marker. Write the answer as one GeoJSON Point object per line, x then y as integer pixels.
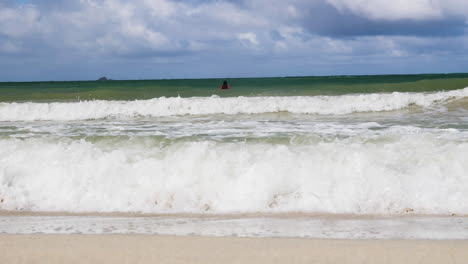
{"type": "Point", "coordinates": [390, 174]}
{"type": "Point", "coordinates": [158, 107]}
{"type": "Point", "coordinates": [322, 227]}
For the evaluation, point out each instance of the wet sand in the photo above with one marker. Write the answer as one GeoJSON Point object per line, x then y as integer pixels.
{"type": "Point", "coordinates": [190, 249]}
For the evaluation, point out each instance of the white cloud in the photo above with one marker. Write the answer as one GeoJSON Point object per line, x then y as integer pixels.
{"type": "Point", "coordinates": [126, 27]}
{"type": "Point", "coordinates": [403, 9]}
{"type": "Point", "coordinates": [18, 22]}
{"type": "Point", "coordinates": [248, 37]}
{"type": "Point", "coordinates": [176, 32]}
{"type": "Point", "coordinates": [455, 7]}
{"type": "Point", "coordinates": [162, 8]}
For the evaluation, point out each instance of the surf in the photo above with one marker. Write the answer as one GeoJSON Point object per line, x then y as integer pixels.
{"type": "Point", "coordinates": [395, 174]}
{"type": "Point", "coordinates": [174, 106]}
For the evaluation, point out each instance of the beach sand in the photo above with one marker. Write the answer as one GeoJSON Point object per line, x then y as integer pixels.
{"type": "Point", "coordinates": [190, 249]}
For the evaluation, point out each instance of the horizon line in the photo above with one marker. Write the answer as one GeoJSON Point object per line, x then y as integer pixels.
{"type": "Point", "coordinates": [220, 78]}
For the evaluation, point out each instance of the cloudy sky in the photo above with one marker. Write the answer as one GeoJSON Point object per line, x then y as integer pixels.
{"type": "Point", "coordinates": [144, 39]}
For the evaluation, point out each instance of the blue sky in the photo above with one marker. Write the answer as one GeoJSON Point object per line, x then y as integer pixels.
{"type": "Point", "coordinates": [144, 39]}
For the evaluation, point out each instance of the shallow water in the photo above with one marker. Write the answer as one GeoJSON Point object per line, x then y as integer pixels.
{"type": "Point", "coordinates": [361, 150]}
{"type": "Point", "coordinates": [414, 227]}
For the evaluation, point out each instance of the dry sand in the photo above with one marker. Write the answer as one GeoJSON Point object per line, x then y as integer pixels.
{"type": "Point", "coordinates": [170, 249]}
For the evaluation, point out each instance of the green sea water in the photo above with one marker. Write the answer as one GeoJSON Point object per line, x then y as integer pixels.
{"type": "Point", "coordinates": [268, 145]}
{"type": "Point", "coordinates": [284, 86]}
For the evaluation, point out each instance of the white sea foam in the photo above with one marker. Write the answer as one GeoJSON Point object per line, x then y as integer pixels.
{"type": "Point", "coordinates": [419, 173]}
{"type": "Point", "coordinates": [333, 105]}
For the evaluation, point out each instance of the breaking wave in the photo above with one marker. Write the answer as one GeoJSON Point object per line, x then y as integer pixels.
{"type": "Point", "coordinates": [326, 105]}
{"type": "Point", "coordinates": [402, 173]}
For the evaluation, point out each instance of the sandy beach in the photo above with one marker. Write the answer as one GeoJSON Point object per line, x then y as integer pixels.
{"type": "Point", "coordinates": [171, 249]}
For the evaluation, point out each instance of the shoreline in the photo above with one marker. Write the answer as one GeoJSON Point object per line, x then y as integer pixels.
{"type": "Point", "coordinates": [190, 249]}
{"type": "Point", "coordinates": [289, 226]}
{"type": "Point", "coordinates": [280, 215]}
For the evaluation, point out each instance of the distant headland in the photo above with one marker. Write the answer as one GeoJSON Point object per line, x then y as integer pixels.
{"type": "Point", "coordinates": [104, 78]}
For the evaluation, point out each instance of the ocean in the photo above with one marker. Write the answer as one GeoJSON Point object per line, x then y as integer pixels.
{"type": "Point", "coordinates": [386, 145]}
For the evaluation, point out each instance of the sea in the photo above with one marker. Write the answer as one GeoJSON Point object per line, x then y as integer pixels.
{"type": "Point", "coordinates": [269, 148]}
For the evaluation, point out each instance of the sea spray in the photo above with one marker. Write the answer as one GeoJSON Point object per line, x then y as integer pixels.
{"type": "Point", "coordinates": [391, 174]}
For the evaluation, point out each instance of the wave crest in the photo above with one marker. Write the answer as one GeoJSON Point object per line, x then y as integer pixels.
{"type": "Point", "coordinates": [326, 105]}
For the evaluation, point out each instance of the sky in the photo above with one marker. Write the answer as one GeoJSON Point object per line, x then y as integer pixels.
{"type": "Point", "coordinates": [43, 40]}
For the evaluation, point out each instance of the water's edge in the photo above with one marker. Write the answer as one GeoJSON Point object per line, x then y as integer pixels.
{"type": "Point", "coordinates": [318, 227]}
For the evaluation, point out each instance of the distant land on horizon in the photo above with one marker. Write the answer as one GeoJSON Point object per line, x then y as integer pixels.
{"type": "Point", "coordinates": [109, 79]}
